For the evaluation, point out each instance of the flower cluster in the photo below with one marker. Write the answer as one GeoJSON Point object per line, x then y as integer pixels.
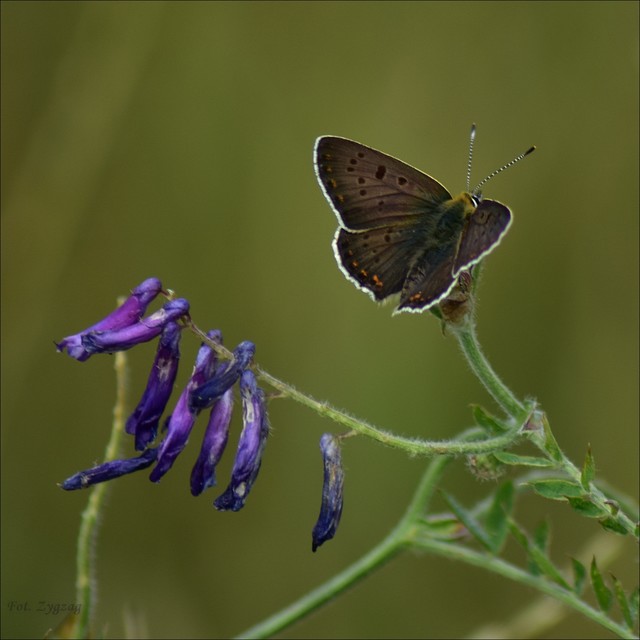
{"type": "Point", "coordinates": [210, 387]}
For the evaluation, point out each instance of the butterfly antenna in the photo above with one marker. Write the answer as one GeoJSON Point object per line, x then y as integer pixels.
{"type": "Point", "coordinates": [476, 189]}
{"type": "Point", "coordinates": [472, 139]}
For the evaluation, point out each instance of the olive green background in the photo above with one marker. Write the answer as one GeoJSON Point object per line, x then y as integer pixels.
{"type": "Point", "coordinates": [175, 140]}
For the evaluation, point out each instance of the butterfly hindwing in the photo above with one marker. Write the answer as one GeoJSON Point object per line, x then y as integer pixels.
{"type": "Point", "coordinates": [376, 260]}
{"type": "Point", "coordinates": [482, 231]}
{"type": "Point", "coordinates": [367, 188]}
{"type": "Point", "coordinates": [429, 280]}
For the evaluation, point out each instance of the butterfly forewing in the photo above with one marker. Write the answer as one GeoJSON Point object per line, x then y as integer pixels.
{"type": "Point", "coordinates": [369, 189]}
{"type": "Point", "coordinates": [481, 232]}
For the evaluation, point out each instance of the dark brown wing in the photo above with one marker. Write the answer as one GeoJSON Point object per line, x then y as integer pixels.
{"type": "Point", "coordinates": [369, 189]}
{"type": "Point", "coordinates": [482, 231]}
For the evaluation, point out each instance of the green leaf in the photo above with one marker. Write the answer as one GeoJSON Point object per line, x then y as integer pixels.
{"type": "Point", "coordinates": [472, 525]}
{"type": "Point", "coordinates": [603, 593]}
{"type": "Point", "coordinates": [579, 574]}
{"type": "Point", "coordinates": [442, 527]}
{"type": "Point", "coordinates": [634, 605]}
{"type": "Point", "coordinates": [542, 536]}
{"type": "Point", "coordinates": [487, 421]}
{"type": "Point", "coordinates": [588, 469]}
{"type": "Point", "coordinates": [623, 603]}
{"type": "Point", "coordinates": [539, 557]}
{"type": "Point", "coordinates": [524, 461]}
{"type": "Point", "coordinates": [550, 444]}
{"type": "Point", "coordinates": [556, 489]}
{"type": "Point", "coordinates": [611, 524]}
{"type": "Point", "coordinates": [496, 522]}
{"type": "Point", "coordinates": [585, 507]}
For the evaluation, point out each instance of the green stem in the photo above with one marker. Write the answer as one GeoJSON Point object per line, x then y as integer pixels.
{"type": "Point", "coordinates": [412, 446]}
{"type": "Point", "coordinates": [401, 536]}
{"type": "Point", "coordinates": [468, 340]}
{"type": "Point", "coordinates": [499, 566]}
{"type": "Point", "coordinates": [85, 583]}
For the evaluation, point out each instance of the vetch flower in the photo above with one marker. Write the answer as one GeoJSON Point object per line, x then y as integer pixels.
{"type": "Point", "coordinates": [142, 331]}
{"type": "Point", "coordinates": [214, 442]}
{"type": "Point", "coordinates": [224, 378]}
{"type": "Point", "coordinates": [143, 422]}
{"type": "Point", "coordinates": [109, 471]}
{"type": "Point", "coordinates": [250, 447]}
{"type": "Point", "coordinates": [331, 508]}
{"type": "Point", "coordinates": [128, 313]}
{"type": "Point", "coordinates": [183, 418]}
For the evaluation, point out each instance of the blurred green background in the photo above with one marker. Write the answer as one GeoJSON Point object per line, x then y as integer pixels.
{"type": "Point", "coordinates": [175, 140]}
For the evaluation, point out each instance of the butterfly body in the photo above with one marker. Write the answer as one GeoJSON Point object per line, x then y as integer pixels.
{"type": "Point", "coordinates": [400, 230]}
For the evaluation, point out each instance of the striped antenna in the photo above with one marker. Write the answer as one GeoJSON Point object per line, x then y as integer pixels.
{"type": "Point", "coordinates": [472, 139]}
{"type": "Point", "coordinates": [476, 189]}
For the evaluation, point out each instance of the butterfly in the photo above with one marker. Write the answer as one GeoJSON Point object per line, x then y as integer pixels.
{"type": "Point", "coordinates": [401, 231]}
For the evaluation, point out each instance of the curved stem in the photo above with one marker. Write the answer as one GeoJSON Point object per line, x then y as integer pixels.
{"type": "Point", "coordinates": [85, 583]}
{"type": "Point", "coordinates": [468, 341]}
{"type": "Point", "coordinates": [499, 566]}
{"type": "Point", "coordinates": [412, 446]}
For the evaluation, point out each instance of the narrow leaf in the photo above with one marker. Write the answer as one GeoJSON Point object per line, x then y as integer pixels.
{"type": "Point", "coordinates": [611, 524]}
{"type": "Point", "coordinates": [487, 421]}
{"type": "Point", "coordinates": [443, 527]}
{"type": "Point", "coordinates": [539, 557]}
{"type": "Point", "coordinates": [556, 489]}
{"type": "Point", "coordinates": [634, 605]}
{"type": "Point", "coordinates": [524, 461]}
{"type": "Point", "coordinates": [579, 574]}
{"type": "Point", "coordinates": [542, 536]}
{"type": "Point", "coordinates": [585, 507]}
{"type": "Point", "coordinates": [551, 445]}
{"type": "Point", "coordinates": [496, 522]}
{"type": "Point", "coordinates": [588, 469]}
{"type": "Point", "coordinates": [623, 603]}
{"type": "Point", "coordinates": [472, 525]}
{"type": "Point", "coordinates": [603, 593]}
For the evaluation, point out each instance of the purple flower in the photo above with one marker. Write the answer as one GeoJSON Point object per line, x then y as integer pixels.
{"type": "Point", "coordinates": [182, 419]}
{"type": "Point", "coordinates": [109, 470]}
{"type": "Point", "coordinates": [331, 508]}
{"type": "Point", "coordinates": [250, 447]}
{"type": "Point", "coordinates": [214, 442]}
{"type": "Point", "coordinates": [224, 378]}
{"type": "Point", "coordinates": [142, 331]}
{"type": "Point", "coordinates": [128, 313]}
{"type": "Point", "coordinates": [143, 422]}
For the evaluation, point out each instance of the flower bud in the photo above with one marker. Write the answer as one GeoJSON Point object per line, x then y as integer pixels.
{"type": "Point", "coordinates": [214, 442]}
{"type": "Point", "coordinates": [331, 507]}
{"type": "Point", "coordinates": [128, 313]}
{"type": "Point", "coordinates": [183, 418]}
{"type": "Point", "coordinates": [109, 471]}
{"type": "Point", "coordinates": [143, 422]}
{"type": "Point", "coordinates": [224, 378]}
{"type": "Point", "coordinates": [250, 446]}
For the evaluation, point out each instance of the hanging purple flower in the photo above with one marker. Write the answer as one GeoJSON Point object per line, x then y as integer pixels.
{"type": "Point", "coordinates": [128, 313]}
{"type": "Point", "coordinates": [331, 507]}
{"type": "Point", "coordinates": [250, 447]}
{"type": "Point", "coordinates": [109, 471]}
{"type": "Point", "coordinates": [142, 331]}
{"type": "Point", "coordinates": [214, 442]}
{"type": "Point", "coordinates": [224, 378]}
{"type": "Point", "coordinates": [183, 418]}
{"type": "Point", "coordinates": [143, 422]}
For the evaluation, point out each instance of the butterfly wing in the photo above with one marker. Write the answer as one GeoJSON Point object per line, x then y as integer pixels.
{"type": "Point", "coordinates": [429, 280]}
{"type": "Point", "coordinates": [377, 260]}
{"type": "Point", "coordinates": [482, 231]}
{"type": "Point", "coordinates": [369, 189]}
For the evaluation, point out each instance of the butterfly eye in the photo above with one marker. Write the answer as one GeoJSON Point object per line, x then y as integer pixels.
{"type": "Point", "coordinates": [475, 199]}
